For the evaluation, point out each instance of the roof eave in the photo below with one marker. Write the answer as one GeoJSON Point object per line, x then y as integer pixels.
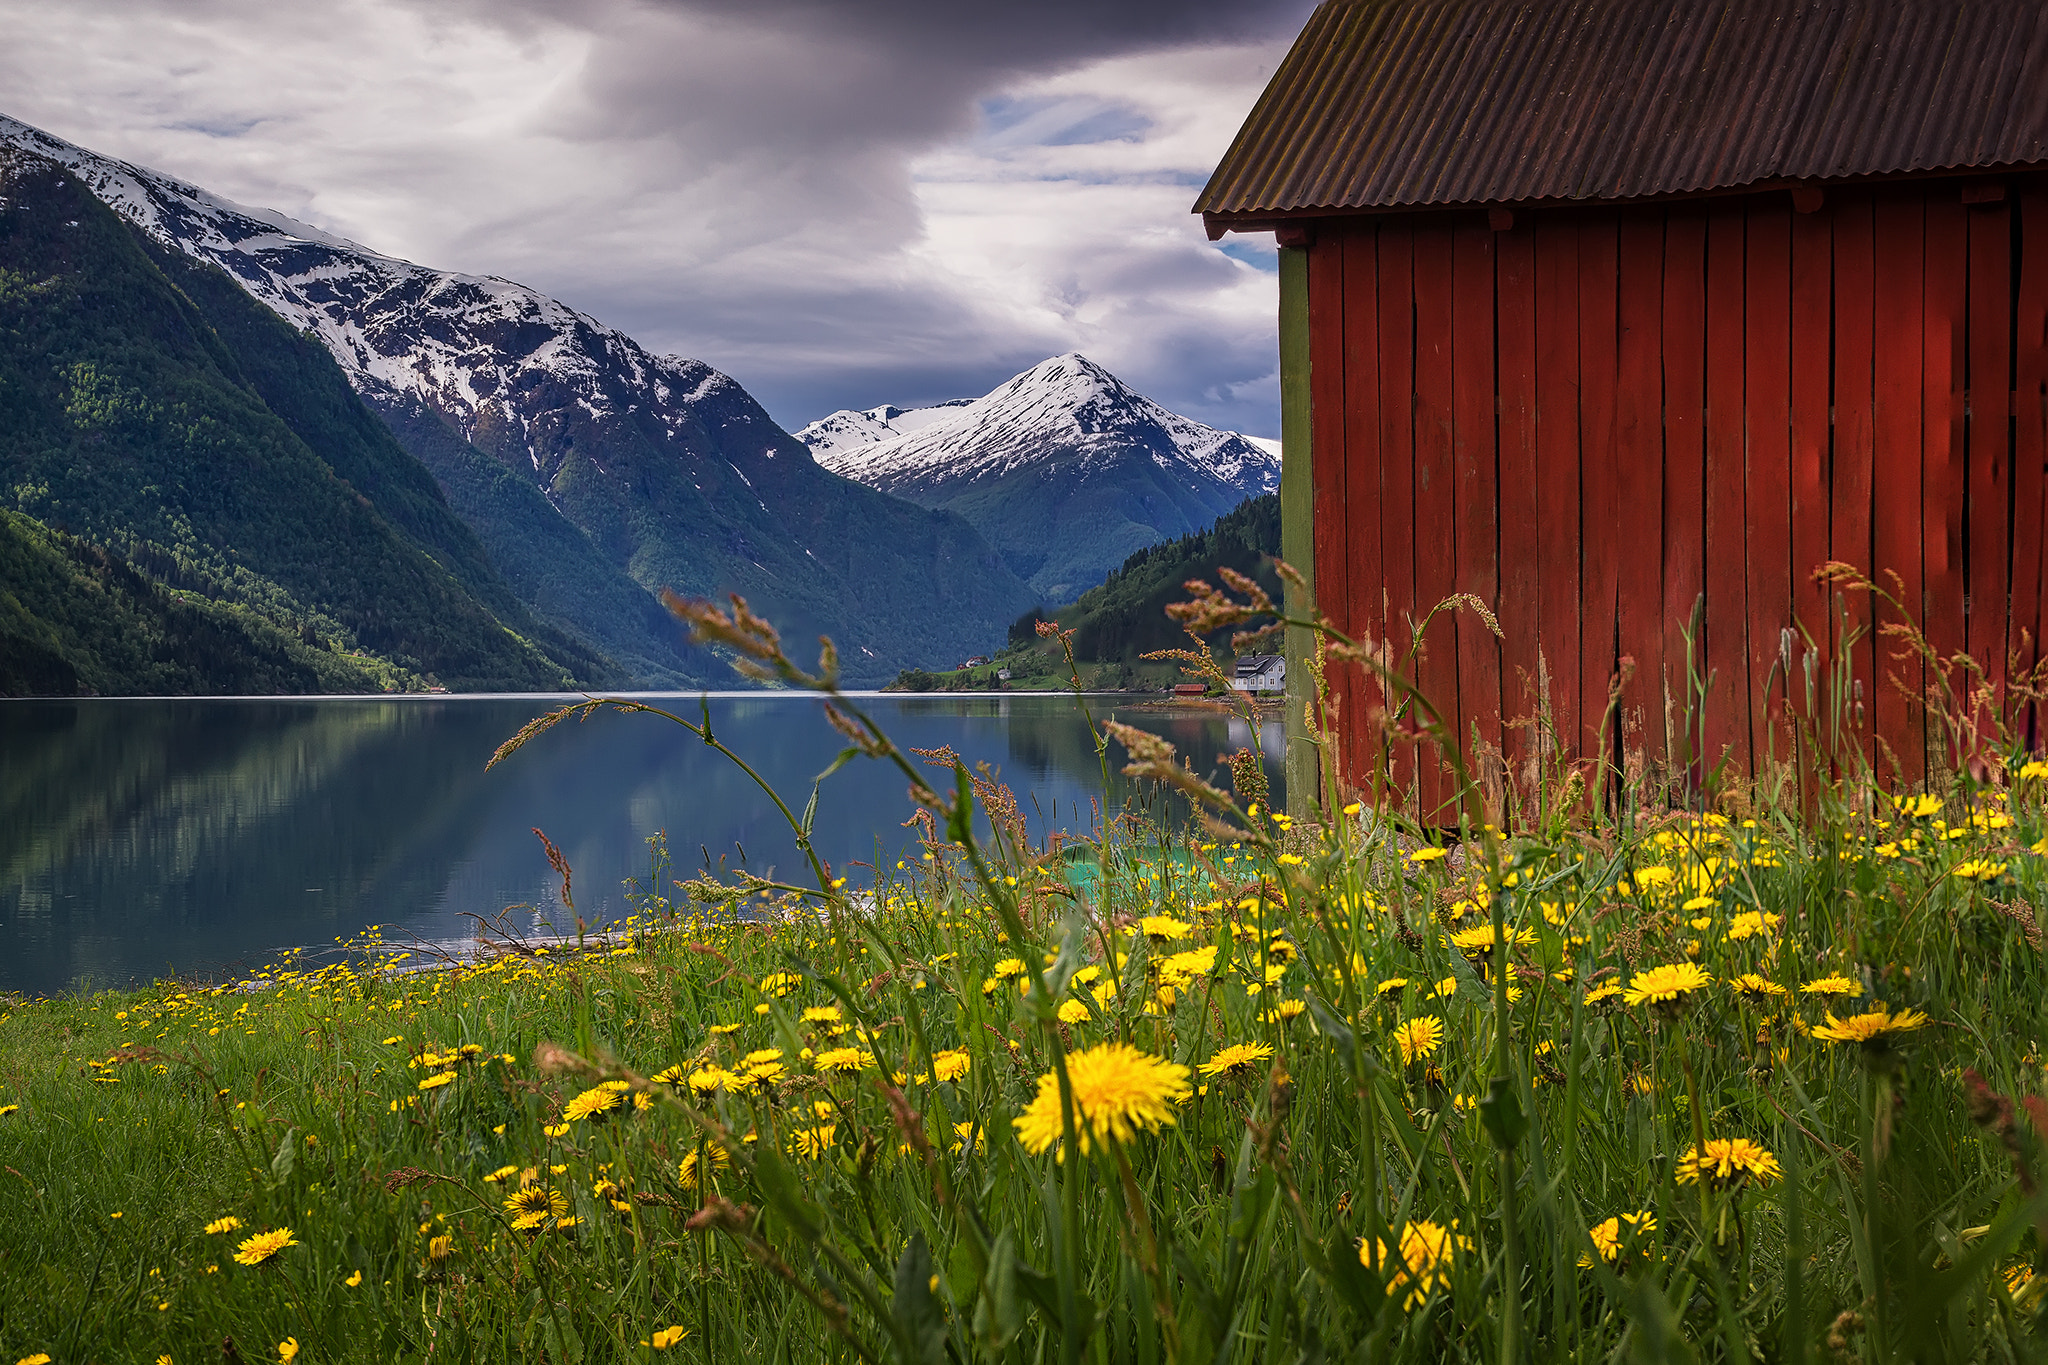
{"type": "Point", "coordinates": [1216, 224]}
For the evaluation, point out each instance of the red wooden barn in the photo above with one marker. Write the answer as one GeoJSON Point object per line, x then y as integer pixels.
{"type": "Point", "coordinates": [1598, 308]}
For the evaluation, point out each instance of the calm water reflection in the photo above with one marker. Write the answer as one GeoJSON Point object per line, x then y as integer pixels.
{"type": "Point", "coordinates": [140, 838]}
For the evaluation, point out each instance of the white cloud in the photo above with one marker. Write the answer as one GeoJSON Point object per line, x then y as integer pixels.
{"type": "Point", "coordinates": [838, 206]}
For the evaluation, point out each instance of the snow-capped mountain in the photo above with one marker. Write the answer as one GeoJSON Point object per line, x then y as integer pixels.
{"type": "Point", "coordinates": [668, 469]}
{"type": "Point", "coordinates": [474, 347]}
{"type": "Point", "coordinates": [849, 430]}
{"type": "Point", "coordinates": [1064, 468]}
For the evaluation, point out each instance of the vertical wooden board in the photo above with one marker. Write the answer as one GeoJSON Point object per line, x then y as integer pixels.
{"type": "Point", "coordinates": [1849, 485]}
{"type": "Point", "coordinates": [1767, 480]}
{"type": "Point", "coordinates": [1943, 312]}
{"type": "Point", "coordinates": [1522, 542]}
{"type": "Point", "coordinates": [1558, 508]}
{"type": "Point", "coordinates": [1725, 726]}
{"type": "Point", "coordinates": [1436, 529]}
{"type": "Point", "coordinates": [1811, 430]}
{"type": "Point", "coordinates": [1600, 553]}
{"type": "Point", "coordinates": [1361, 569]}
{"type": "Point", "coordinates": [2030, 436]}
{"type": "Point", "coordinates": [1685, 471]}
{"type": "Point", "coordinates": [1475, 452]}
{"type": "Point", "coordinates": [1986, 522]}
{"type": "Point", "coordinates": [1639, 476]}
{"type": "Point", "coordinates": [1329, 416]}
{"type": "Point", "coordinates": [1397, 466]}
{"type": "Point", "coordinates": [1895, 516]}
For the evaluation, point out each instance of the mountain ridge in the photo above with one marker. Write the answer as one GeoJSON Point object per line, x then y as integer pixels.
{"type": "Point", "coordinates": [170, 448]}
{"type": "Point", "coordinates": [670, 471]}
{"type": "Point", "coordinates": [1064, 468]}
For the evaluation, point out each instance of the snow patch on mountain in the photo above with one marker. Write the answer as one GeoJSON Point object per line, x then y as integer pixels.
{"type": "Point", "coordinates": [469, 346]}
{"type": "Point", "coordinates": [1066, 409]}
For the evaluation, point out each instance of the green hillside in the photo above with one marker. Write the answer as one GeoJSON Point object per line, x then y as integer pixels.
{"type": "Point", "coordinates": [153, 413]}
{"type": "Point", "coordinates": [75, 618]}
{"type": "Point", "coordinates": [1124, 617]}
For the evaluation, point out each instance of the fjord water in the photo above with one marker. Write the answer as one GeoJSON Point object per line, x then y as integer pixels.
{"type": "Point", "coordinates": [160, 837]}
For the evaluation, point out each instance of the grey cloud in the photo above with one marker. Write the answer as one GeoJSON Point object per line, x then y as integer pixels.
{"type": "Point", "coordinates": [730, 179]}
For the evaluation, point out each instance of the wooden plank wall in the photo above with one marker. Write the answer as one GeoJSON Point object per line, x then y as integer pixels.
{"type": "Point", "coordinates": [1594, 419]}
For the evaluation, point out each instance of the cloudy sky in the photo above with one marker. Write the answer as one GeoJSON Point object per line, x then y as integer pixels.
{"type": "Point", "coordinates": [838, 202]}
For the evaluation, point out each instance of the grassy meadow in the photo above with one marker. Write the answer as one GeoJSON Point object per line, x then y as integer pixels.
{"type": "Point", "coordinates": [1660, 1085]}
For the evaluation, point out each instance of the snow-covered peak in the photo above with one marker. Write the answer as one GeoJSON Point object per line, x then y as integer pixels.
{"type": "Point", "coordinates": [476, 348]}
{"type": "Point", "coordinates": [849, 428]}
{"type": "Point", "coordinates": [1066, 409]}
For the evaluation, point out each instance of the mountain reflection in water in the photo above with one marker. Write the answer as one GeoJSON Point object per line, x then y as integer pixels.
{"type": "Point", "coordinates": [145, 838]}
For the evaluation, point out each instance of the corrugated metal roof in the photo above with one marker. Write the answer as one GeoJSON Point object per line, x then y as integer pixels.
{"type": "Point", "coordinates": [1406, 103]}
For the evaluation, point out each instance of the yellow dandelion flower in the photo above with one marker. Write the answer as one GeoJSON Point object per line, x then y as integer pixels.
{"type": "Point", "coordinates": [821, 1014]}
{"type": "Point", "coordinates": [1917, 807]}
{"type": "Point", "coordinates": [665, 1337]}
{"type": "Point", "coordinates": [1427, 855]}
{"type": "Point", "coordinates": [1285, 1012]}
{"type": "Point", "coordinates": [1009, 968]}
{"type": "Point", "coordinates": [1237, 1062]}
{"type": "Point", "coordinates": [1391, 985]}
{"type": "Point", "coordinates": [714, 1154]}
{"type": "Point", "coordinates": [812, 1143]}
{"type": "Point", "coordinates": [555, 1130]}
{"type": "Point", "coordinates": [220, 1225]}
{"type": "Point", "coordinates": [437, 1080]}
{"type": "Point", "coordinates": [1180, 968]}
{"type": "Point", "coordinates": [1665, 985]}
{"type": "Point", "coordinates": [1074, 1012]}
{"type": "Point", "coordinates": [845, 1059]}
{"type": "Point", "coordinates": [355, 1280]}
{"type": "Point", "coordinates": [1832, 985]}
{"type": "Point", "coordinates": [1609, 1237]}
{"type": "Point", "coordinates": [1749, 924]}
{"type": "Point", "coordinates": [669, 1075]}
{"type": "Point", "coordinates": [502, 1173]}
{"type": "Point", "coordinates": [534, 1206]}
{"type": "Point", "coordinates": [1756, 989]}
{"type": "Point", "coordinates": [591, 1104]}
{"type": "Point", "coordinates": [287, 1350]}
{"type": "Point", "coordinates": [1726, 1162]}
{"type": "Point", "coordinates": [1602, 993]}
{"type": "Point", "coordinates": [1479, 940]}
{"type": "Point", "coordinates": [440, 1248]}
{"type": "Point", "coordinates": [708, 1079]}
{"type": "Point", "coordinates": [1979, 870]}
{"type": "Point", "coordinates": [264, 1245]}
{"type": "Point", "coordinates": [1875, 1030]}
{"type": "Point", "coordinates": [1419, 1037]}
{"type": "Point", "coordinates": [1118, 1092]}
{"type": "Point", "coordinates": [951, 1065]}
{"type": "Point", "coordinates": [1423, 1264]}
{"type": "Point", "coordinates": [761, 1056]}
{"type": "Point", "coordinates": [1161, 928]}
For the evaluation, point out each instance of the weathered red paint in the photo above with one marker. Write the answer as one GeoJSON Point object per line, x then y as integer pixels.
{"type": "Point", "coordinates": [1521, 532]}
{"type": "Point", "coordinates": [1900, 248]}
{"type": "Point", "coordinates": [1360, 570]}
{"type": "Point", "coordinates": [1767, 479]}
{"type": "Point", "coordinates": [1596, 417]}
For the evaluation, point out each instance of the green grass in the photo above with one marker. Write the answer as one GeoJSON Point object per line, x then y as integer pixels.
{"type": "Point", "coordinates": [294, 1100]}
{"type": "Point", "coordinates": [1288, 1181]}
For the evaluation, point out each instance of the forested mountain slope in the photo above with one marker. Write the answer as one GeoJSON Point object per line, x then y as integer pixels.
{"type": "Point", "coordinates": [130, 420]}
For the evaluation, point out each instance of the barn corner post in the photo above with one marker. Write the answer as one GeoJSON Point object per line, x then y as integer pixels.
{"type": "Point", "coordinates": [1297, 532]}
